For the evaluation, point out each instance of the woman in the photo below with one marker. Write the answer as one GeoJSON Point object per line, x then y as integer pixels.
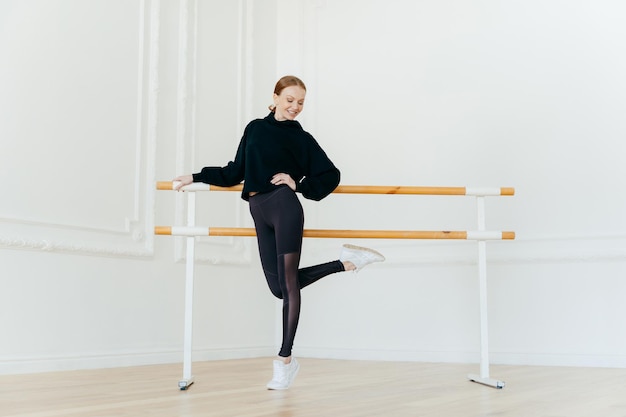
{"type": "Point", "coordinates": [276, 159]}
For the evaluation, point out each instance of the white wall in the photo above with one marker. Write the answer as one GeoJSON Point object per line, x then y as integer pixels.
{"type": "Point", "coordinates": [525, 94]}
{"type": "Point", "coordinates": [98, 102]}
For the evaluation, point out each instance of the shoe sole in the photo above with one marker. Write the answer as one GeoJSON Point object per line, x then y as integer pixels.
{"type": "Point", "coordinates": [375, 252]}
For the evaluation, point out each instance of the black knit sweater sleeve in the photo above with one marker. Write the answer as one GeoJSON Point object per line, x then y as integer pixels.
{"type": "Point", "coordinates": [322, 177]}
{"type": "Point", "coordinates": [229, 175]}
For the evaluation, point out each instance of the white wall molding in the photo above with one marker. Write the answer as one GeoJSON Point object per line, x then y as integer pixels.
{"type": "Point", "coordinates": [134, 235]}
{"type": "Point", "coordinates": [100, 360]}
{"type": "Point", "coordinates": [461, 356]}
{"type": "Point", "coordinates": [564, 249]}
{"type": "Point", "coordinates": [123, 358]}
{"type": "Point", "coordinates": [83, 248]}
{"type": "Point", "coordinates": [559, 249]}
{"type": "Point", "coordinates": [209, 251]}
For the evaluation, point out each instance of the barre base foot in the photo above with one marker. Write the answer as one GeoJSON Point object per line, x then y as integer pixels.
{"type": "Point", "coordinates": [486, 381]}
{"type": "Point", "coordinates": [183, 384]}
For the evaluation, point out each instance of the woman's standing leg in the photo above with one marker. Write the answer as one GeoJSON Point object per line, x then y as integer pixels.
{"type": "Point", "coordinates": [279, 223]}
{"type": "Point", "coordinates": [288, 264]}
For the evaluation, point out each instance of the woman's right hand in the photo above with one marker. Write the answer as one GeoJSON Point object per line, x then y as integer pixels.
{"type": "Point", "coordinates": [181, 181]}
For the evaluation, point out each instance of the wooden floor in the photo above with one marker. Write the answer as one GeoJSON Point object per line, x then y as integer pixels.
{"type": "Point", "coordinates": [323, 388]}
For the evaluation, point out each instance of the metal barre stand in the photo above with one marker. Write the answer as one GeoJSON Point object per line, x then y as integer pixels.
{"type": "Point", "coordinates": [481, 235]}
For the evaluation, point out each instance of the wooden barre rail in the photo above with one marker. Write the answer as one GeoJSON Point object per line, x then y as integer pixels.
{"type": "Point", "coordinates": [333, 233]}
{"type": "Point", "coordinates": [367, 189]}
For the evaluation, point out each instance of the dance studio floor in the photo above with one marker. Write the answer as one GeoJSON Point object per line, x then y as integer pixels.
{"type": "Point", "coordinates": [333, 388]}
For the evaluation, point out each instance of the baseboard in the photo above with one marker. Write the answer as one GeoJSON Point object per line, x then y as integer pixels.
{"type": "Point", "coordinates": [30, 365]}
{"type": "Point", "coordinates": [387, 355]}
{"type": "Point", "coordinates": [495, 357]}
{"type": "Point", "coordinates": [559, 359]}
{"type": "Point", "coordinates": [120, 359]}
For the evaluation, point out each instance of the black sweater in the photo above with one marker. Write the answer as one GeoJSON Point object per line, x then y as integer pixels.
{"type": "Point", "coordinates": [269, 147]}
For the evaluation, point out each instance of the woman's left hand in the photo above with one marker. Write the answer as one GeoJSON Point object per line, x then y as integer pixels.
{"type": "Point", "coordinates": [283, 178]}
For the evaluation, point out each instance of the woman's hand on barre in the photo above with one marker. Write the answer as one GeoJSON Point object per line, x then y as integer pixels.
{"type": "Point", "coordinates": [181, 181]}
{"type": "Point", "coordinates": [282, 178]}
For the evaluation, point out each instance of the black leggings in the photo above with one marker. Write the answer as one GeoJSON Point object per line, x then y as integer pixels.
{"type": "Point", "coordinates": [279, 222]}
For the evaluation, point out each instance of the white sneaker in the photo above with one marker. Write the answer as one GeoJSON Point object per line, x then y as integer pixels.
{"type": "Point", "coordinates": [284, 374]}
{"type": "Point", "coordinates": [360, 256]}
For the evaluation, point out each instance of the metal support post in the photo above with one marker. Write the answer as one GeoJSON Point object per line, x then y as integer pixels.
{"type": "Point", "coordinates": [187, 380]}
{"type": "Point", "coordinates": [483, 378]}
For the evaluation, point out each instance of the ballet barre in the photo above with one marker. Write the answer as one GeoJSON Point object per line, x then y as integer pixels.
{"type": "Point", "coordinates": [340, 234]}
{"type": "Point", "coordinates": [481, 236]}
{"type": "Point", "coordinates": [367, 189]}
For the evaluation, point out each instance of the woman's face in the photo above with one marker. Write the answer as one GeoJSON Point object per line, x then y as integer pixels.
{"type": "Point", "coordinates": [289, 103]}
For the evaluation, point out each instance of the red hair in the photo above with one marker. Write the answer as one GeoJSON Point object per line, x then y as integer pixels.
{"type": "Point", "coordinates": [284, 82]}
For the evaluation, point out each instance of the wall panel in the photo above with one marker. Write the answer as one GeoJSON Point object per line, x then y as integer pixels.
{"type": "Point", "coordinates": [78, 83]}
